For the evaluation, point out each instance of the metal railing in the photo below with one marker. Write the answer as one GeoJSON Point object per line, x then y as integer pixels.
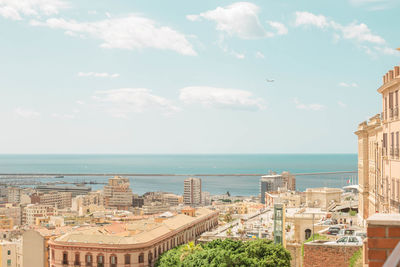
{"type": "Point", "coordinates": [391, 151]}
{"type": "Point", "coordinates": [394, 258]}
{"type": "Point", "coordinates": [396, 152]}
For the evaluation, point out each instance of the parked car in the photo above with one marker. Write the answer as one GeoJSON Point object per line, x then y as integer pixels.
{"type": "Point", "coordinates": [333, 230]}
{"type": "Point", "coordinates": [361, 234]}
{"type": "Point", "coordinates": [347, 240]}
{"type": "Point", "coordinates": [346, 232]}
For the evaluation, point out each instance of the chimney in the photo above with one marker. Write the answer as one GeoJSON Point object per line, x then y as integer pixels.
{"type": "Point", "coordinates": [391, 75]}
{"type": "Point", "coordinates": [396, 71]}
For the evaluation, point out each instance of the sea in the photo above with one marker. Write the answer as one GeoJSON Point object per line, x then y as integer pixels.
{"type": "Point", "coordinates": [189, 165]}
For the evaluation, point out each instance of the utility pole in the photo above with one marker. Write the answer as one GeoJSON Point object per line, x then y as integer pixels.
{"type": "Point", "coordinates": [313, 226]}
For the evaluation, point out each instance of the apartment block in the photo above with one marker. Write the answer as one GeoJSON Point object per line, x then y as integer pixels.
{"type": "Point", "coordinates": [276, 182]}
{"type": "Point", "coordinates": [378, 153]}
{"type": "Point", "coordinates": [118, 194]}
{"type": "Point", "coordinates": [35, 212]}
{"type": "Point", "coordinates": [60, 200]}
{"type": "Point", "coordinates": [192, 191]}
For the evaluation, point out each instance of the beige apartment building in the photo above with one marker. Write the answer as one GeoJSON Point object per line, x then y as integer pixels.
{"type": "Point", "coordinates": [378, 153]}
{"type": "Point", "coordinates": [8, 254]}
{"type": "Point", "coordinates": [60, 200]}
{"type": "Point", "coordinates": [118, 194]}
{"type": "Point", "coordinates": [35, 212]}
{"type": "Point", "coordinates": [192, 191]}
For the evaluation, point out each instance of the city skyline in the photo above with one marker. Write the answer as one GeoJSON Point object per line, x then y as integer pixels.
{"type": "Point", "coordinates": [171, 78]}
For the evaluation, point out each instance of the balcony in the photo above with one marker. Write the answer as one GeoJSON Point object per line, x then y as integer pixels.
{"type": "Point", "coordinates": [392, 151]}
{"type": "Point", "coordinates": [396, 152]}
{"type": "Point", "coordinates": [396, 112]}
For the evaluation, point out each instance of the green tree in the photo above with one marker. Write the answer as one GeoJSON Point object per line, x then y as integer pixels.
{"type": "Point", "coordinates": [227, 253]}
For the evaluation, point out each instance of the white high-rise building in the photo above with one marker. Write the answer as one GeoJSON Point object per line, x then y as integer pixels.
{"type": "Point", "coordinates": [192, 191]}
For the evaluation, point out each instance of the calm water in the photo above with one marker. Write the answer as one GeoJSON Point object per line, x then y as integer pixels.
{"type": "Point", "coordinates": [189, 164]}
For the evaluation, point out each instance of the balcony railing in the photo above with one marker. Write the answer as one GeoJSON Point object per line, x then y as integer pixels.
{"type": "Point", "coordinates": [396, 112]}
{"type": "Point", "coordinates": [391, 113]}
{"type": "Point", "coordinates": [384, 152]}
{"type": "Point", "coordinates": [391, 151]}
{"type": "Point", "coordinates": [396, 152]}
{"type": "Point", "coordinates": [394, 258]}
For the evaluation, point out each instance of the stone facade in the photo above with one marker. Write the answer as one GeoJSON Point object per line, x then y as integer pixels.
{"type": "Point", "coordinates": [378, 153]}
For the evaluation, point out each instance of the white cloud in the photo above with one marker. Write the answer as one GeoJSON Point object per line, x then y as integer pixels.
{"type": "Point", "coordinates": [221, 98]}
{"type": "Point", "coordinates": [361, 32]}
{"type": "Point", "coordinates": [314, 107]}
{"type": "Point", "coordinates": [26, 113]}
{"type": "Point", "coordinates": [92, 12]}
{"type": "Point", "coordinates": [259, 55]}
{"type": "Point", "coordinates": [130, 32]}
{"type": "Point", "coordinates": [80, 102]}
{"type": "Point", "coordinates": [357, 32]}
{"type": "Point", "coordinates": [279, 27]}
{"type": "Point", "coordinates": [121, 102]}
{"type": "Point", "coordinates": [62, 116]}
{"type": "Point", "coordinates": [16, 9]}
{"type": "Point", "coordinates": [387, 50]}
{"type": "Point", "coordinates": [343, 84]}
{"type": "Point", "coordinates": [98, 74]}
{"type": "Point", "coordinates": [307, 18]}
{"type": "Point", "coordinates": [239, 19]}
{"type": "Point", "coordinates": [341, 104]}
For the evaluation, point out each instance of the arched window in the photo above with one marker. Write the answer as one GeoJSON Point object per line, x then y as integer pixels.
{"type": "Point", "coordinates": [150, 258]}
{"type": "Point", "coordinates": [52, 254]}
{"type": "Point", "coordinates": [159, 251]}
{"type": "Point", "coordinates": [127, 259]}
{"type": "Point", "coordinates": [113, 261]}
{"type": "Point", "coordinates": [65, 258]}
{"type": "Point", "coordinates": [100, 260]}
{"type": "Point", "coordinates": [77, 259]}
{"type": "Point", "coordinates": [307, 234]}
{"type": "Point", "coordinates": [89, 260]}
{"type": "Point", "coordinates": [141, 258]}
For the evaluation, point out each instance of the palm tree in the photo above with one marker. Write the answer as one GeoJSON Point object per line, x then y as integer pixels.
{"type": "Point", "coordinates": [188, 249]}
{"type": "Point", "coordinates": [241, 232]}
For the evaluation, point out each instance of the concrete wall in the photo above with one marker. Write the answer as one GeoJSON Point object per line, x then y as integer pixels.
{"type": "Point", "coordinates": [317, 255]}
{"type": "Point", "coordinates": [33, 248]}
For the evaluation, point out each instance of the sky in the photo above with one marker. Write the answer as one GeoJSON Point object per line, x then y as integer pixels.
{"type": "Point", "coordinates": [179, 76]}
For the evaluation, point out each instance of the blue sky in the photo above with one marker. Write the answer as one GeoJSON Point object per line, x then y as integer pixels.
{"type": "Point", "coordinates": [173, 76]}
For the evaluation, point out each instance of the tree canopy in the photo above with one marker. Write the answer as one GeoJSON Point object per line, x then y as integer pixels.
{"type": "Point", "coordinates": [227, 253]}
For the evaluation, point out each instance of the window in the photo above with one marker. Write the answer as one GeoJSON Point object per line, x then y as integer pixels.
{"type": "Point", "coordinates": [353, 240]}
{"type": "Point", "coordinates": [88, 260]}
{"type": "Point", "coordinates": [113, 261]}
{"type": "Point", "coordinates": [8, 252]}
{"type": "Point", "coordinates": [65, 258]}
{"type": "Point", "coordinates": [141, 258]}
{"type": "Point", "coordinates": [8, 262]}
{"type": "Point", "coordinates": [52, 254]}
{"type": "Point", "coordinates": [77, 259]}
{"type": "Point", "coordinates": [100, 261]}
{"type": "Point", "coordinates": [127, 259]}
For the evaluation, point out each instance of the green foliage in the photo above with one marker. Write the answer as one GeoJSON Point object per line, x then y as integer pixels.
{"type": "Point", "coordinates": [356, 258]}
{"type": "Point", "coordinates": [352, 213]}
{"type": "Point", "coordinates": [316, 237]}
{"type": "Point", "coordinates": [227, 253]}
{"type": "Point", "coordinates": [228, 217]}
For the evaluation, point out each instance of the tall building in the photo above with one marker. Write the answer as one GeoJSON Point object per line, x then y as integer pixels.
{"type": "Point", "coordinates": [378, 153]}
{"type": "Point", "coordinates": [60, 200]}
{"type": "Point", "coordinates": [192, 191]}
{"type": "Point", "coordinates": [118, 194]}
{"type": "Point", "coordinates": [34, 212]}
{"type": "Point", "coordinates": [274, 182]}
